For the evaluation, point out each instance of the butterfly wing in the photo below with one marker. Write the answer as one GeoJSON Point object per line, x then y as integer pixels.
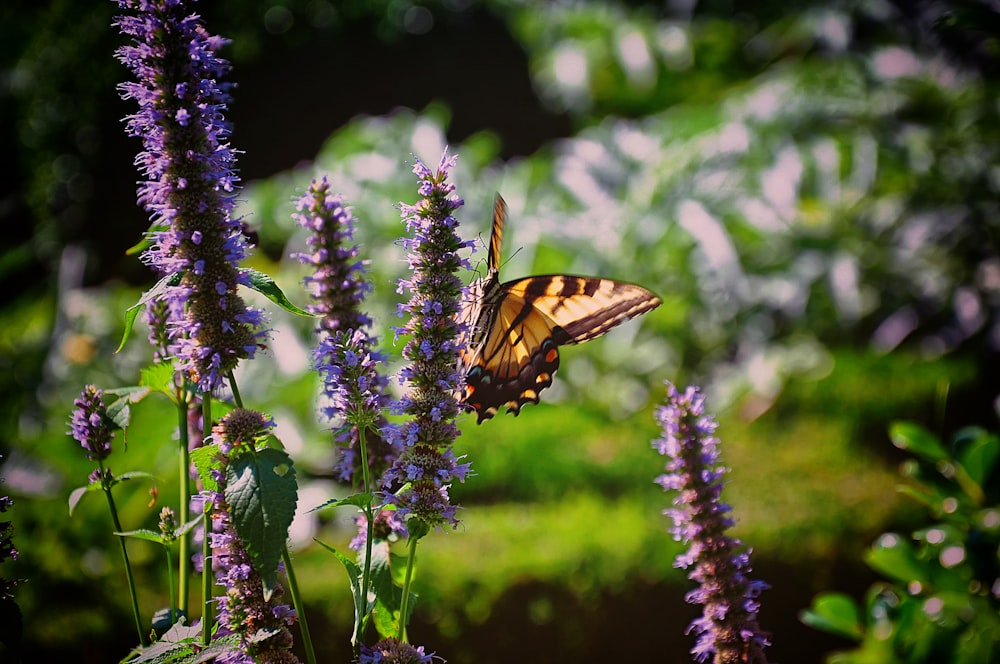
{"type": "Point", "coordinates": [519, 326]}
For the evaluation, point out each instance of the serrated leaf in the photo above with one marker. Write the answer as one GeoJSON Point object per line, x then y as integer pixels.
{"type": "Point", "coordinates": [917, 440]}
{"type": "Point", "coordinates": [262, 491]}
{"type": "Point", "coordinates": [76, 495]}
{"type": "Point", "coordinates": [143, 534]}
{"type": "Point", "coordinates": [360, 500]}
{"type": "Point", "coordinates": [132, 312]}
{"type": "Point", "coordinates": [266, 286]}
{"type": "Point", "coordinates": [834, 613]}
{"type": "Point", "coordinates": [204, 460]}
{"type": "Point", "coordinates": [159, 377]}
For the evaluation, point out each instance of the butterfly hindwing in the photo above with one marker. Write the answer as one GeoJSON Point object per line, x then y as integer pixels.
{"type": "Point", "coordinates": [515, 329]}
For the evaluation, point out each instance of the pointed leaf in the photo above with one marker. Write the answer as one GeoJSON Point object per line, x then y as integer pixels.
{"type": "Point", "coordinates": [262, 492]}
{"type": "Point", "coordinates": [77, 495]}
{"type": "Point", "coordinates": [266, 286]}
{"type": "Point", "coordinates": [183, 530]}
{"type": "Point", "coordinates": [354, 577]}
{"type": "Point", "coordinates": [130, 314]}
{"type": "Point", "coordinates": [146, 241]}
{"type": "Point", "coordinates": [119, 411]}
{"type": "Point", "coordinates": [917, 440]}
{"type": "Point", "coordinates": [834, 613]}
{"type": "Point", "coordinates": [360, 500]}
{"type": "Point", "coordinates": [143, 534]}
{"type": "Point", "coordinates": [133, 475]}
{"type": "Point", "coordinates": [978, 452]}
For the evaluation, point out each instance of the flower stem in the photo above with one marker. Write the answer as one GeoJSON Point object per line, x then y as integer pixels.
{"type": "Point", "coordinates": [184, 463]}
{"type": "Point", "coordinates": [170, 582]}
{"type": "Point", "coordinates": [370, 517]}
{"type": "Point", "coordinates": [293, 588]}
{"type": "Point", "coordinates": [404, 603]}
{"type": "Point", "coordinates": [206, 544]}
{"type": "Point", "coordinates": [128, 566]}
{"type": "Point", "coordinates": [236, 391]}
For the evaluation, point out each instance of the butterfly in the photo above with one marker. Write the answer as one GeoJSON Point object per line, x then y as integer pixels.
{"type": "Point", "coordinates": [514, 329]}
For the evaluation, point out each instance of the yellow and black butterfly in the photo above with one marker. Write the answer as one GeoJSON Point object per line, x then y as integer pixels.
{"type": "Point", "coordinates": [515, 329]}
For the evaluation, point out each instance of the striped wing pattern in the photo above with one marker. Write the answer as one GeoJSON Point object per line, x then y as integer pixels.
{"type": "Point", "coordinates": [515, 328]}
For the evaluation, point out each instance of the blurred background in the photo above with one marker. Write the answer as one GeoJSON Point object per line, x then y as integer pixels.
{"type": "Point", "coordinates": [811, 190]}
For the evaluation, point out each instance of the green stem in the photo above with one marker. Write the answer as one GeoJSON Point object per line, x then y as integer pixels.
{"type": "Point", "coordinates": [128, 566]}
{"type": "Point", "coordinates": [184, 554]}
{"type": "Point", "coordinates": [293, 588]}
{"type": "Point", "coordinates": [170, 580]}
{"type": "Point", "coordinates": [362, 621]}
{"type": "Point", "coordinates": [236, 391]}
{"type": "Point", "coordinates": [206, 543]}
{"type": "Point", "coordinates": [404, 604]}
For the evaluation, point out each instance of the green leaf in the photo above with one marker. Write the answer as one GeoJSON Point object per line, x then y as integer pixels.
{"type": "Point", "coordinates": [977, 452]}
{"type": "Point", "coordinates": [143, 534]}
{"type": "Point", "coordinates": [894, 557]}
{"type": "Point", "coordinates": [359, 500]}
{"type": "Point", "coordinates": [917, 440]}
{"type": "Point", "coordinates": [158, 289]}
{"type": "Point", "coordinates": [354, 577]}
{"type": "Point", "coordinates": [183, 530]}
{"type": "Point", "coordinates": [262, 492]}
{"type": "Point", "coordinates": [77, 495]}
{"type": "Point", "coordinates": [204, 460]}
{"type": "Point", "coordinates": [146, 241]}
{"type": "Point", "coordinates": [159, 377]}
{"type": "Point", "coordinates": [388, 595]}
{"type": "Point", "coordinates": [266, 286]}
{"type": "Point", "coordinates": [134, 475]}
{"type": "Point", "coordinates": [834, 613]}
{"type": "Point", "coordinates": [119, 411]}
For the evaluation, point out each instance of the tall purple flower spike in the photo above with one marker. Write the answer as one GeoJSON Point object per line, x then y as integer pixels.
{"type": "Point", "coordinates": [189, 180]}
{"type": "Point", "coordinates": [727, 630]}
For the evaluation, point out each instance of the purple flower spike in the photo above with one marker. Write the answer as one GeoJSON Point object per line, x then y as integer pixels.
{"type": "Point", "coordinates": [90, 425]}
{"type": "Point", "coordinates": [337, 284]}
{"type": "Point", "coordinates": [427, 461]}
{"type": "Point", "coordinates": [353, 388]}
{"type": "Point", "coordinates": [728, 629]}
{"type": "Point", "coordinates": [189, 171]}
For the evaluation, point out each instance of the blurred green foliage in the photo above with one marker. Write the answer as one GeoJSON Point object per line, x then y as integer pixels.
{"type": "Point", "coordinates": [811, 190]}
{"type": "Point", "coordinates": [939, 600]}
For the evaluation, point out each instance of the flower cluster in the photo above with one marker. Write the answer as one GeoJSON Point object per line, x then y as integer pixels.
{"type": "Point", "coordinates": [90, 424]}
{"type": "Point", "coordinates": [389, 525]}
{"type": "Point", "coordinates": [427, 461]}
{"type": "Point", "coordinates": [189, 179]}
{"type": "Point", "coordinates": [391, 651]}
{"type": "Point", "coordinates": [243, 609]}
{"type": "Point", "coordinates": [728, 627]}
{"type": "Point", "coordinates": [353, 389]}
{"type": "Point", "coordinates": [337, 284]}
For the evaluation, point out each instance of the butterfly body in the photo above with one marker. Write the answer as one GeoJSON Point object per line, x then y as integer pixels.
{"type": "Point", "coordinates": [514, 329]}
